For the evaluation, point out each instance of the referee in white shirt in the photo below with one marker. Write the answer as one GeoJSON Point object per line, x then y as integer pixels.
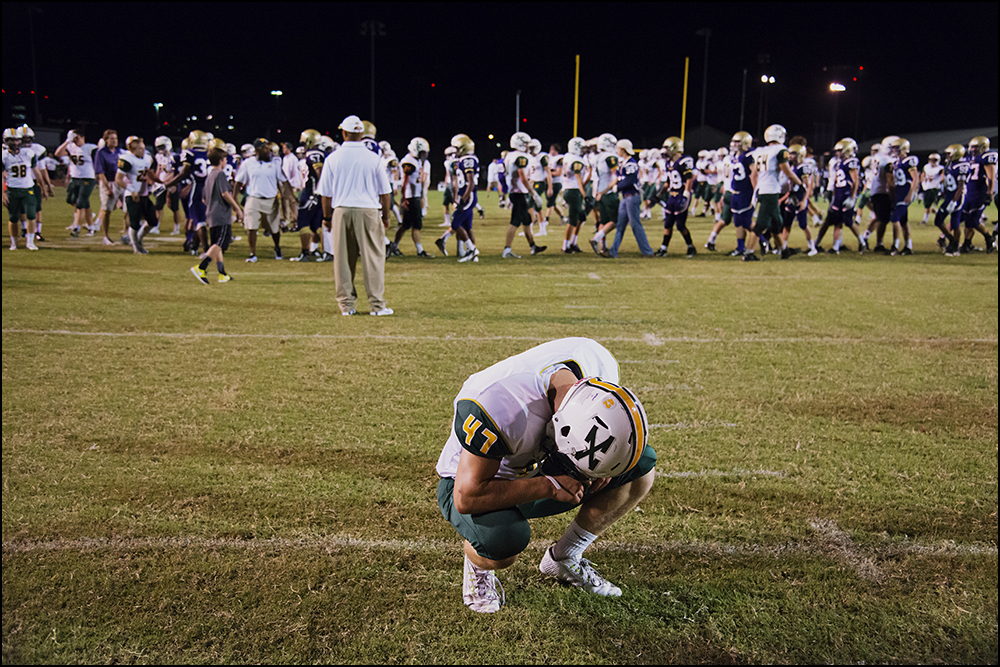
{"type": "Point", "coordinates": [355, 190]}
{"type": "Point", "coordinates": [262, 176]}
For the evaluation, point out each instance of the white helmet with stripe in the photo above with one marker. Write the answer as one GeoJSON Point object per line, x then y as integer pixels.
{"type": "Point", "coordinates": [600, 429]}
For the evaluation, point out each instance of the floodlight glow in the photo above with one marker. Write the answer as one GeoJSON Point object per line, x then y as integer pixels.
{"type": "Point", "coordinates": [763, 78]}
{"type": "Point", "coordinates": [276, 92]}
{"type": "Point", "coordinates": [770, 79]}
{"type": "Point", "coordinates": [837, 87]}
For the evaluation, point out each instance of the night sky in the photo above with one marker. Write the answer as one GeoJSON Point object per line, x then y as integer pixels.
{"type": "Point", "coordinates": [447, 68]}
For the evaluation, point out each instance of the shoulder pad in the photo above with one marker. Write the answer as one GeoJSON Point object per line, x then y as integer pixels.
{"type": "Point", "coordinates": [477, 432]}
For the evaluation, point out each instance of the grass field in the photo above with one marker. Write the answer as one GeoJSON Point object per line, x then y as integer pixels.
{"type": "Point", "coordinates": [236, 473]}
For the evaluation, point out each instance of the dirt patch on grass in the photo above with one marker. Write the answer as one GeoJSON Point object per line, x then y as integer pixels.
{"type": "Point", "coordinates": [926, 412]}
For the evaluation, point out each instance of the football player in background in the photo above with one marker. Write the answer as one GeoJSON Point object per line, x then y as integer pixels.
{"type": "Point", "coordinates": [194, 165]}
{"type": "Point", "coordinates": [447, 197]}
{"type": "Point", "coordinates": [606, 169]}
{"type": "Point", "coordinates": [465, 175]}
{"type": "Point", "coordinates": [881, 194]}
{"type": "Point", "coordinates": [772, 160]}
{"type": "Point", "coordinates": [413, 187]}
{"type": "Point", "coordinates": [574, 177]}
{"type": "Point", "coordinates": [846, 184]}
{"type": "Point", "coordinates": [539, 434]}
{"type": "Point", "coordinates": [81, 178]}
{"type": "Point", "coordinates": [953, 192]}
{"type": "Point", "coordinates": [678, 174]}
{"type": "Point", "coordinates": [556, 169]}
{"type": "Point", "coordinates": [905, 184]}
{"type": "Point", "coordinates": [930, 183]}
{"type": "Point", "coordinates": [516, 166]}
{"type": "Point", "coordinates": [169, 198]}
{"type": "Point", "coordinates": [541, 182]}
{"type": "Point", "coordinates": [742, 183]}
{"type": "Point", "coordinates": [796, 201]}
{"type": "Point", "coordinates": [134, 175]}
{"type": "Point", "coordinates": [19, 166]}
{"type": "Point", "coordinates": [980, 184]}
{"type": "Point", "coordinates": [42, 181]}
{"type": "Point", "coordinates": [309, 217]}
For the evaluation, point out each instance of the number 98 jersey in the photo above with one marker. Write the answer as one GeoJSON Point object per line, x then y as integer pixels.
{"type": "Point", "coordinates": [503, 412]}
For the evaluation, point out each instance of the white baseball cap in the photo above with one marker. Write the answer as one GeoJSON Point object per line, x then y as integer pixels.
{"type": "Point", "coordinates": [626, 146]}
{"type": "Point", "coordinates": [352, 124]}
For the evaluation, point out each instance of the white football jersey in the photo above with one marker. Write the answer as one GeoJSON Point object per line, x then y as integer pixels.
{"type": "Point", "coordinates": [768, 158]}
{"type": "Point", "coordinates": [81, 160]}
{"type": "Point", "coordinates": [935, 177]}
{"type": "Point", "coordinates": [135, 169]}
{"type": "Point", "coordinates": [503, 412]}
{"type": "Point", "coordinates": [414, 168]}
{"type": "Point", "coordinates": [573, 165]}
{"type": "Point", "coordinates": [516, 162]}
{"type": "Point", "coordinates": [20, 168]}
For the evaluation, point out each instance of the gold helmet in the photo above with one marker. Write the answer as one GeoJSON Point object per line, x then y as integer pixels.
{"type": "Point", "coordinates": [185, 144]}
{"type": "Point", "coordinates": [741, 141]}
{"type": "Point", "coordinates": [673, 146]}
{"type": "Point", "coordinates": [218, 143]}
{"type": "Point", "coordinates": [903, 147]}
{"type": "Point", "coordinates": [309, 138]}
{"type": "Point", "coordinates": [198, 140]}
{"type": "Point", "coordinates": [463, 145]}
{"type": "Point", "coordinates": [978, 146]}
{"type": "Point", "coordinates": [799, 151]}
{"type": "Point", "coordinates": [954, 153]}
{"type": "Point", "coordinates": [848, 147]}
{"type": "Point", "coordinates": [369, 131]}
{"type": "Point", "coordinates": [130, 139]}
{"type": "Point", "coordinates": [275, 148]}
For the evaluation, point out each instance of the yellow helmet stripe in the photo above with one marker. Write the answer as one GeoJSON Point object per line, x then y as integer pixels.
{"type": "Point", "coordinates": [638, 424]}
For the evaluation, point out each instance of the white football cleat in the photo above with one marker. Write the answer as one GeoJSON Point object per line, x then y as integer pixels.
{"type": "Point", "coordinates": [479, 589]}
{"type": "Point", "coordinates": [472, 256]}
{"type": "Point", "coordinates": [580, 573]}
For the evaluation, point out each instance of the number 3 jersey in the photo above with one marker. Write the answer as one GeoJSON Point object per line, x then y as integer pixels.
{"type": "Point", "coordinates": [503, 412]}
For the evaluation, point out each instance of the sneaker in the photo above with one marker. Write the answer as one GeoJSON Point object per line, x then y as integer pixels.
{"type": "Point", "coordinates": [507, 254]}
{"type": "Point", "coordinates": [710, 247]}
{"type": "Point", "coordinates": [880, 250]}
{"type": "Point", "coordinates": [278, 255]}
{"type": "Point", "coordinates": [425, 255]}
{"type": "Point", "coordinates": [384, 311]}
{"type": "Point", "coordinates": [751, 257]}
{"type": "Point", "coordinates": [785, 253]}
{"type": "Point", "coordinates": [225, 277]}
{"type": "Point", "coordinates": [575, 248]}
{"type": "Point", "coordinates": [596, 246]}
{"type": "Point", "coordinates": [535, 249]}
{"type": "Point", "coordinates": [470, 256]}
{"type": "Point", "coordinates": [39, 237]}
{"type": "Point", "coordinates": [736, 253]}
{"type": "Point", "coordinates": [441, 246]}
{"type": "Point", "coordinates": [348, 313]}
{"type": "Point", "coordinates": [252, 259]}
{"type": "Point", "coordinates": [303, 257]}
{"type": "Point", "coordinates": [482, 214]}
{"type": "Point", "coordinates": [13, 246]}
{"type": "Point", "coordinates": [31, 246]}
{"type": "Point", "coordinates": [127, 241]}
{"type": "Point", "coordinates": [833, 251]}
{"type": "Point", "coordinates": [906, 252]}
{"type": "Point", "coordinates": [396, 252]}
{"type": "Point", "coordinates": [154, 230]}
{"type": "Point", "coordinates": [579, 573]}
{"type": "Point", "coordinates": [765, 247]}
{"type": "Point", "coordinates": [326, 257]}
{"type": "Point", "coordinates": [199, 275]}
{"type": "Point", "coordinates": [691, 251]}
{"type": "Point", "coordinates": [108, 241]}
{"type": "Point", "coordinates": [813, 252]}
{"type": "Point", "coordinates": [90, 232]}
{"type": "Point", "coordinates": [75, 232]}
{"type": "Point", "coordinates": [479, 589]}
{"type": "Point", "coordinates": [942, 243]}
{"type": "Point", "coordinates": [662, 252]}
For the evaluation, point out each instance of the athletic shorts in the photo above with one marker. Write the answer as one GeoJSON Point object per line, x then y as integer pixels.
{"type": "Point", "coordinates": [675, 212]}
{"type": "Point", "coordinates": [931, 197]}
{"type": "Point", "coordinates": [506, 533]}
{"type": "Point", "coordinates": [221, 236]}
{"type": "Point", "coordinates": [882, 205]}
{"type": "Point", "coordinates": [972, 211]}
{"type": "Point", "coordinates": [792, 215]}
{"type": "Point", "coordinates": [139, 211]}
{"type": "Point", "coordinates": [261, 211]}
{"type": "Point", "coordinates": [608, 207]}
{"type": "Point", "coordinates": [413, 217]}
{"type": "Point", "coordinates": [900, 212]}
{"type": "Point", "coordinates": [448, 198]}
{"type": "Point", "coordinates": [768, 215]}
{"type": "Point", "coordinates": [195, 210]}
{"type": "Point", "coordinates": [574, 202]}
{"type": "Point", "coordinates": [551, 201]}
{"type": "Point", "coordinates": [21, 201]}
{"type": "Point", "coordinates": [727, 209]}
{"type": "Point", "coordinates": [310, 217]}
{"type": "Point", "coordinates": [78, 192]}
{"type": "Point", "coordinates": [463, 219]}
{"type": "Point", "coordinates": [540, 188]}
{"type": "Point", "coordinates": [519, 214]}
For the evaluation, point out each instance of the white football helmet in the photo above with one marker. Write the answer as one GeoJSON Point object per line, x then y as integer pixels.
{"type": "Point", "coordinates": [600, 428]}
{"type": "Point", "coordinates": [450, 151]}
{"type": "Point", "coordinates": [606, 143]}
{"type": "Point", "coordinates": [327, 145]}
{"type": "Point", "coordinates": [418, 145]}
{"type": "Point", "coordinates": [230, 149]}
{"type": "Point", "coordinates": [12, 139]}
{"type": "Point", "coordinates": [519, 141]}
{"type": "Point", "coordinates": [247, 151]}
{"type": "Point", "coordinates": [775, 133]}
{"type": "Point", "coordinates": [576, 145]}
{"type": "Point", "coordinates": [385, 146]}
{"type": "Point", "coordinates": [163, 144]}
{"type": "Point", "coordinates": [654, 154]}
{"type": "Point", "coordinates": [534, 146]}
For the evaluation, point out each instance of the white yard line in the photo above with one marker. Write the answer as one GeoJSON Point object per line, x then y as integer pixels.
{"type": "Point", "coordinates": [650, 339]}
{"type": "Point", "coordinates": [832, 543]}
{"type": "Point", "coordinates": [735, 472]}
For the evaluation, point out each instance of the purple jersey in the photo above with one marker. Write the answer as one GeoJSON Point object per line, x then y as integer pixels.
{"type": "Point", "coordinates": [372, 145]}
{"type": "Point", "coordinates": [679, 172]}
{"type": "Point", "coordinates": [461, 168]}
{"type": "Point", "coordinates": [628, 177]}
{"type": "Point", "coordinates": [976, 184]}
{"type": "Point", "coordinates": [314, 167]}
{"type": "Point", "coordinates": [901, 176]}
{"type": "Point", "coordinates": [956, 173]}
{"type": "Point", "coordinates": [198, 159]}
{"type": "Point", "coordinates": [740, 167]}
{"type": "Point", "coordinates": [843, 183]}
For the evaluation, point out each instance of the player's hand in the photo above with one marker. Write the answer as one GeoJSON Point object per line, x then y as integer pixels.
{"type": "Point", "coordinates": [405, 204]}
{"type": "Point", "coordinates": [239, 215]}
{"type": "Point", "coordinates": [571, 491]}
{"type": "Point", "coordinates": [6, 200]}
{"type": "Point", "coordinates": [135, 197]}
{"type": "Point", "coordinates": [548, 193]}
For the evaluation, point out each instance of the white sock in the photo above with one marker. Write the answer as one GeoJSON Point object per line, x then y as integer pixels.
{"type": "Point", "coordinates": [836, 243]}
{"type": "Point", "coordinates": [31, 238]}
{"type": "Point", "coordinates": [461, 247]}
{"type": "Point", "coordinates": [573, 239]}
{"type": "Point", "coordinates": [573, 543]}
{"type": "Point", "coordinates": [598, 236]}
{"type": "Point", "coordinates": [565, 244]}
{"type": "Point", "coordinates": [313, 246]}
{"type": "Point", "coordinates": [909, 244]}
{"type": "Point", "coordinates": [895, 244]}
{"type": "Point", "coordinates": [419, 247]}
{"type": "Point", "coordinates": [447, 233]}
{"type": "Point", "coordinates": [712, 237]}
{"type": "Point", "coordinates": [447, 218]}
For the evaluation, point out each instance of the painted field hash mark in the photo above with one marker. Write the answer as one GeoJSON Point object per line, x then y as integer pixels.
{"type": "Point", "coordinates": [681, 426]}
{"type": "Point", "coordinates": [735, 472]}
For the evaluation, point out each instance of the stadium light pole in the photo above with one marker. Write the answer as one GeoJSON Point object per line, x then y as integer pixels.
{"type": "Point", "coordinates": [157, 105]}
{"type": "Point", "coordinates": [706, 33]}
{"type": "Point", "coordinates": [836, 88]}
{"type": "Point", "coordinates": [517, 111]}
{"type": "Point", "coordinates": [373, 29]}
{"type": "Point", "coordinates": [765, 81]}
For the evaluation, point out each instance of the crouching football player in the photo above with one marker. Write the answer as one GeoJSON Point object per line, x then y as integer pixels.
{"type": "Point", "coordinates": [539, 434]}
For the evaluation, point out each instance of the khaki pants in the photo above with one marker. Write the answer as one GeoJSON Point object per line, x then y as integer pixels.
{"type": "Point", "coordinates": [358, 232]}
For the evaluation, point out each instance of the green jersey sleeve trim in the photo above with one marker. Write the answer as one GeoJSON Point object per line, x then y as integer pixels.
{"type": "Point", "coordinates": [477, 431]}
